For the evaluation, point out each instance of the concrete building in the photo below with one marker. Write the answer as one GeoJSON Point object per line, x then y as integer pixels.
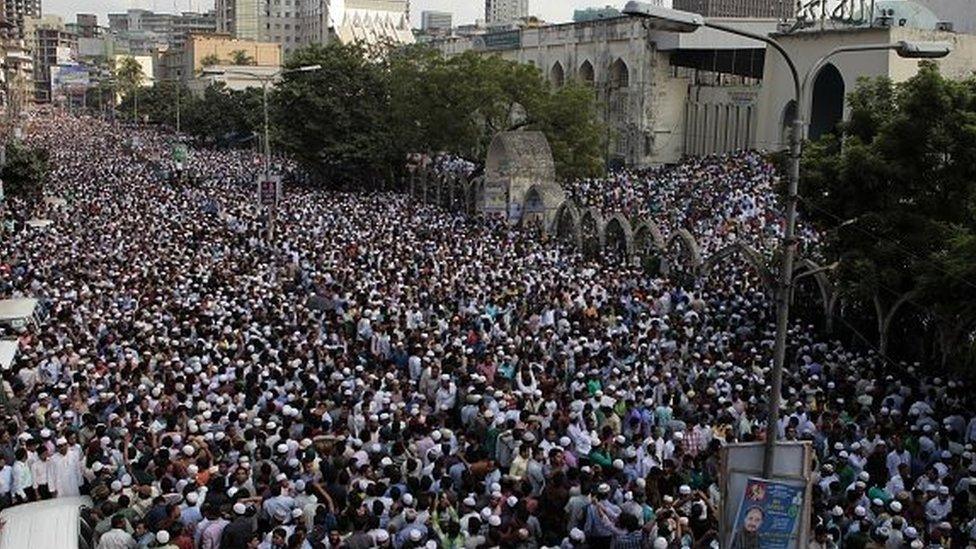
{"type": "Point", "coordinates": [372, 21]}
{"type": "Point", "coordinates": [648, 83]}
{"type": "Point", "coordinates": [298, 23]}
{"type": "Point", "coordinates": [200, 47]}
{"type": "Point", "coordinates": [959, 14]}
{"type": "Point", "coordinates": [145, 32]}
{"type": "Point", "coordinates": [777, 9]}
{"type": "Point", "coordinates": [16, 13]}
{"type": "Point", "coordinates": [85, 26]}
{"type": "Point", "coordinates": [505, 11]}
{"type": "Point", "coordinates": [291, 23]}
{"type": "Point", "coordinates": [436, 21]}
{"type": "Point", "coordinates": [829, 87]}
{"type": "Point", "coordinates": [51, 45]}
{"type": "Point", "coordinates": [17, 74]}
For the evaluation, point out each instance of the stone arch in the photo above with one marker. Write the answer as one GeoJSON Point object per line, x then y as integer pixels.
{"type": "Point", "coordinates": [618, 74]}
{"type": "Point", "coordinates": [618, 235]}
{"type": "Point", "coordinates": [829, 296]}
{"type": "Point", "coordinates": [827, 109]}
{"type": "Point", "coordinates": [567, 224]}
{"type": "Point", "coordinates": [586, 73]}
{"type": "Point", "coordinates": [534, 208]}
{"type": "Point", "coordinates": [477, 193]}
{"type": "Point", "coordinates": [688, 250]}
{"type": "Point", "coordinates": [516, 161]}
{"type": "Point", "coordinates": [648, 246]}
{"type": "Point", "coordinates": [648, 234]}
{"type": "Point", "coordinates": [557, 75]}
{"type": "Point", "coordinates": [591, 232]}
{"type": "Point", "coordinates": [749, 254]}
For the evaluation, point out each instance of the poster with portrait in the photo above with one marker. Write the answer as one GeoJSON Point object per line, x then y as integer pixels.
{"type": "Point", "coordinates": [768, 517]}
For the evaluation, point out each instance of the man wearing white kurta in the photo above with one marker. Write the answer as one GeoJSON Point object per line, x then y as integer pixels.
{"type": "Point", "coordinates": [65, 471]}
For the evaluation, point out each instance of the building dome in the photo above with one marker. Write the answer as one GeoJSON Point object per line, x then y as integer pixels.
{"type": "Point", "coordinates": [904, 13]}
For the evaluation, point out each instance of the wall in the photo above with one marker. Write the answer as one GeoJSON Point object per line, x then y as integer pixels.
{"type": "Point", "coordinates": [198, 47]}
{"type": "Point", "coordinates": [720, 119]}
{"type": "Point", "coordinates": [807, 47]}
{"type": "Point", "coordinates": [645, 115]}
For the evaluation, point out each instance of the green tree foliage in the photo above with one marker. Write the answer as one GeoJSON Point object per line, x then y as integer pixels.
{"type": "Point", "coordinates": [24, 172]}
{"type": "Point", "coordinates": [129, 78]}
{"type": "Point", "coordinates": [355, 119]}
{"type": "Point", "coordinates": [210, 60]}
{"type": "Point", "coordinates": [240, 57]}
{"type": "Point", "coordinates": [896, 198]}
{"type": "Point", "coordinates": [459, 104]}
{"type": "Point", "coordinates": [214, 117]}
{"type": "Point", "coordinates": [337, 119]}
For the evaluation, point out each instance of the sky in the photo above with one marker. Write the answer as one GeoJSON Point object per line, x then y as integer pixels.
{"type": "Point", "coordinates": [465, 11]}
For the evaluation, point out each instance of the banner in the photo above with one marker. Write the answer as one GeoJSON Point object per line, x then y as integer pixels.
{"type": "Point", "coordinates": [768, 517]}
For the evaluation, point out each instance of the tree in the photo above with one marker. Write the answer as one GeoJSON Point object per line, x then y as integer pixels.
{"type": "Point", "coordinates": [568, 118]}
{"type": "Point", "coordinates": [458, 105]}
{"type": "Point", "coordinates": [241, 57]}
{"type": "Point", "coordinates": [25, 172]}
{"type": "Point", "coordinates": [223, 116]}
{"type": "Point", "coordinates": [895, 195]}
{"type": "Point", "coordinates": [210, 60]}
{"type": "Point", "coordinates": [129, 76]}
{"type": "Point", "coordinates": [336, 119]}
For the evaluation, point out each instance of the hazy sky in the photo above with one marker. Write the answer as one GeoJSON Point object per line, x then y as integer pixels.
{"type": "Point", "coordinates": [465, 11]}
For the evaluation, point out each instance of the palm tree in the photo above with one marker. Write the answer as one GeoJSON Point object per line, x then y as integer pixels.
{"type": "Point", "coordinates": [240, 57]}
{"type": "Point", "coordinates": [210, 60]}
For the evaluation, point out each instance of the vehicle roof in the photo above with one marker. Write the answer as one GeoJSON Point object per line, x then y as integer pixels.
{"type": "Point", "coordinates": [50, 524]}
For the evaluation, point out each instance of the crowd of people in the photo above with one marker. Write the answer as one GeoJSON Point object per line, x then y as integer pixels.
{"type": "Point", "coordinates": [384, 373]}
{"type": "Point", "coordinates": [721, 199]}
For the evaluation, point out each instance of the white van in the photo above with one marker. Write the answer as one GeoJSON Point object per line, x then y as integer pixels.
{"type": "Point", "coordinates": [58, 523]}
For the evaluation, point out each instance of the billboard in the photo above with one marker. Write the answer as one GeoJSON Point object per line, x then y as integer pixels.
{"type": "Point", "coordinates": [69, 77]}
{"type": "Point", "coordinates": [768, 517]}
{"type": "Point", "coordinates": [762, 512]}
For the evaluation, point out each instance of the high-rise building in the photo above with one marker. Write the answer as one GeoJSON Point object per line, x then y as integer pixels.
{"type": "Point", "coordinates": [505, 11]}
{"type": "Point", "coordinates": [298, 23]}
{"type": "Point", "coordinates": [780, 9]}
{"type": "Point", "coordinates": [85, 25]}
{"type": "Point", "coordinates": [52, 45]}
{"type": "Point", "coordinates": [16, 13]}
{"type": "Point", "coordinates": [145, 32]}
{"type": "Point", "coordinates": [436, 21]}
{"type": "Point", "coordinates": [291, 23]}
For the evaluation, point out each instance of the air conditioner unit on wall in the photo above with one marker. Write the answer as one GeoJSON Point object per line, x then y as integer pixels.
{"type": "Point", "coordinates": [945, 26]}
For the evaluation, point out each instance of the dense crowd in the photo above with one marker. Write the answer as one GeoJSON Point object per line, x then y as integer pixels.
{"type": "Point", "coordinates": [721, 199]}
{"type": "Point", "coordinates": [388, 374]}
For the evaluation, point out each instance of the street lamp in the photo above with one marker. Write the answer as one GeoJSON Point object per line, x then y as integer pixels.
{"type": "Point", "coordinates": [265, 80]}
{"type": "Point", "coordinates": [680, 21]}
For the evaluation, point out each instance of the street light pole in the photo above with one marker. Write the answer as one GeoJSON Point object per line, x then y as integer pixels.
{"type": "Point", "coordinates": [680, 21]}
{"type": "Point", "coordinates": [266, 80]}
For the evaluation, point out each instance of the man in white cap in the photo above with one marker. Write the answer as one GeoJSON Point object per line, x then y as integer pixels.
{"type": "Point", "coordinates": [939, 507]}
{"type": "Point", "coordinates": [65, 470]}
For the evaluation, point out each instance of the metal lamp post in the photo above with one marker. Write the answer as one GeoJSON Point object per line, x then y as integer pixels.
{"type": "Point", "coordinates": [680, 21]}
{"type": "Point", "coordinates": [266, 80]}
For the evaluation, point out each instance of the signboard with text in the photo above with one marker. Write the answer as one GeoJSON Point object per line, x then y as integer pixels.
{"type": "Point", "coordinates": [269, 190]}
{"type": "Point", "coordinates": [768, 516]}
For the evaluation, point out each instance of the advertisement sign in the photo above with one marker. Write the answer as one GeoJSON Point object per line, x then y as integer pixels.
{"type": "Point", "coordinates": [768, 517]}
{"type": "Point", "coordinates": [269, 190]}
{"type": "Point", "coordinates": [495, 197]}
{"type": "Point", "coordinates": [507, 40]}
